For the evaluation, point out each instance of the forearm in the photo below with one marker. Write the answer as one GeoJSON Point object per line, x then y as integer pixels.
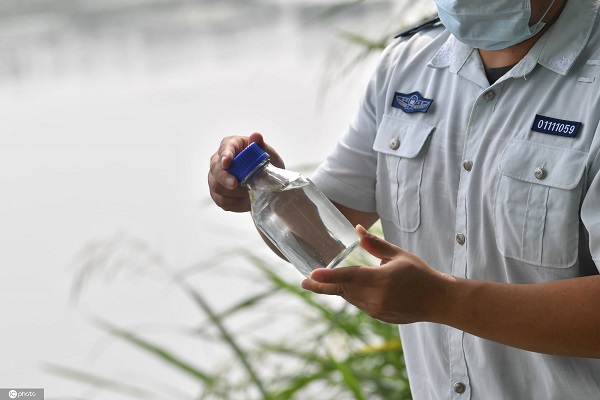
{"type": "Point", "coordinates": [560, 317]}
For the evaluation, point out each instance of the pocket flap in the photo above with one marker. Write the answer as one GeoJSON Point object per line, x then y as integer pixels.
{"type": "Point", "coordinates": [400, 137]}
{"type": "Point", "coordinates": [542, 164]}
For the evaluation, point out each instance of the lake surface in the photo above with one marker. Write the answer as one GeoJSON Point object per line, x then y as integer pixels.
{"type": "Point", "coordinates": [109, 112]}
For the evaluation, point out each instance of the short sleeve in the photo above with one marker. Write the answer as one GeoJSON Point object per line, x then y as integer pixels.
{"type": "Point", "coordinates": [347, 176]}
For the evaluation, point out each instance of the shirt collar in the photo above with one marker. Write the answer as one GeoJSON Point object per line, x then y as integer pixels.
{"type": "Point", "coordinates": [556, 50]}
{"type": "Point", "coordinates": [568, 36]}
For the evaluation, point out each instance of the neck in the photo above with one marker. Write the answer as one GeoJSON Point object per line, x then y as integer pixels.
{"type": "Point", "coordinates": [509, 56]}
{"type": "Point", "coordinates": [513, 54]}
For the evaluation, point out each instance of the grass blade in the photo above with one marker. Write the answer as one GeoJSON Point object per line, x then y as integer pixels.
{"type": "Point", "coordinates": [101, 382]}
{"type": "Point", "coordinates": [227, 337]}
{"type": "Point", "coordinates": [158, 351]}
{"type": "Point", "coordinates": [350, 380]}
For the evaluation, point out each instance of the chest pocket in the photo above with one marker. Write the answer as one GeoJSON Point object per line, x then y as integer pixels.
{"type": "Point", "coordinates": [401, 146]}
{"type": "Point", "coordinates": [537, 203]}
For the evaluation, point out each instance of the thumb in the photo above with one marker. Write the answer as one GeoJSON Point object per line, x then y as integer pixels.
{"type": "Point", "coordinates": [276, 159]}
{"type": "Point", "coordinates": [237, 145]}
{"type": "Point", "coordinates": [256, 138]}
{"type": "Point", "coordinates": [375, 245]}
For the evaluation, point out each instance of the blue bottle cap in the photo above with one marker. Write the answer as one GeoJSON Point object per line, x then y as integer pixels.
{"type": "Point", "coordinates": [247, 161]}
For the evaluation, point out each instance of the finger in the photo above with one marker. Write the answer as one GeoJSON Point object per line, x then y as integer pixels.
{"type": "Point", "coordinates": [231, 204]}
{"type": "Point", "coordinates": [236, 200]}
{"type": "Point", "coordinates": [227, 180]}
{"type": "Point", "coordinates": [219, 175]}
{"type": "Point", "coordinates": [377, 246]}
{"type": "Point", "coordinates": [230, 147]}
{"type": "Point", "coordinates": [344, 275]}
{"type": "Point", "coordinates": [218, 187]}
{"type": "Point", "coordinates": [257, 138]}
{"type": "Point", "coordinates": [323, 288]}
{"type": "Point", "coordinates": [233, 145]}
{"type": "Point", "coordinates": [223, 158]}
{"type": "Point", "coordinates": [275, 158]}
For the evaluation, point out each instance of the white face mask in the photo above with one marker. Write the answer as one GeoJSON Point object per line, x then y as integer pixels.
{"type": "Point", "coordinates": [489, 24]}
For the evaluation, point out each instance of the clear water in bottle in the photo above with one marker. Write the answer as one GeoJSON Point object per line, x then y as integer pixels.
{"type": "Point", "coordinates": [304, 225]}
{"type": "Point", "coordinates": [289, 209]}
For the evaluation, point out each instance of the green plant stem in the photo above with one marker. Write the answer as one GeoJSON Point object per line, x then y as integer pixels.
{"type": "Point", "coordinates": [98, 381]}
{"type": "Point", "coordinates": [227, 337]}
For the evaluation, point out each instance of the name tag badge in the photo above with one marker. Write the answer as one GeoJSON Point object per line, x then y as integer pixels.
{"type": "Point", "coordinates": [555, 126]}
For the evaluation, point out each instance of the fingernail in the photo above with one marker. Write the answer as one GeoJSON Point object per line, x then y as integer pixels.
{"type": "Point", "coordinates": [361, 230]}
{"type": "Point", "coordinates": [230, 182]}
{"type": "Point", "coordinates": [314, 276]}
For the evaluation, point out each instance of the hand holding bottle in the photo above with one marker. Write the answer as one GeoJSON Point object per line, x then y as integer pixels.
{"type": "Point", "coordinates": [224, 187]}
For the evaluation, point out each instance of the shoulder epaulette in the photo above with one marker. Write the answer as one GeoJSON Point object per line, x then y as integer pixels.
{"type": "Point", "coordinates": [427, 24]}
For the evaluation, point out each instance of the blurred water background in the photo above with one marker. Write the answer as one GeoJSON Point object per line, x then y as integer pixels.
{"type": "Point", "coordinates": [109, 112]}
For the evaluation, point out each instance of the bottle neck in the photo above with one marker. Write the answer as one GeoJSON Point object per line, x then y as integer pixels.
{"type": "Point", "coordinates": [247, 181]}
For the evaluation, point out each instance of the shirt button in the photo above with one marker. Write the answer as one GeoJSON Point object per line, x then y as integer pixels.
{"type": "Point", "coordinates": [394, 144]}
{"type": "Point", "coordinates": [539, 173]}
{"type": "Point", "coordinates": [468, 165]}
{"type": "Point", "coordinates": [459, 387]}
{"type": "Point", "coordinates": [489, 95]}
{"type": "Point", "coordinates": [460, 238]}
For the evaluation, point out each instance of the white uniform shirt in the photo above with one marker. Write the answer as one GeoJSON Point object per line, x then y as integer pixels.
{"type": "Point", "coordinates": [496, 183]}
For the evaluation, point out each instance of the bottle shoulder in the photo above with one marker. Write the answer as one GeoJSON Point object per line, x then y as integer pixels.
{"type": "Point", "coordinates": [276, 179]}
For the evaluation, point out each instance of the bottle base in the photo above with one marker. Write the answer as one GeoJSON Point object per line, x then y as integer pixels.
{"type": "Point", "coordinates": [306, 270]}
{"type": "Point", "coordinates": [342, 256]}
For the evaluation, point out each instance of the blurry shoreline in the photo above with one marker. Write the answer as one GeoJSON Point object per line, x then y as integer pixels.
{"type": "Point", "coordinates": [49, 39]}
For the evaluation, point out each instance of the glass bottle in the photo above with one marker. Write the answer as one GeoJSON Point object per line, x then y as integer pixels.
{"type": "Point", "coordinates": [289, 209]}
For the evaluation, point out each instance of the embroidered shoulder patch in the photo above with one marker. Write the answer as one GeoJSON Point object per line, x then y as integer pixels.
{"type": "Point", "coordinates": [412, 102]}
{"type": "Point", "coordinates": [555, 126]}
